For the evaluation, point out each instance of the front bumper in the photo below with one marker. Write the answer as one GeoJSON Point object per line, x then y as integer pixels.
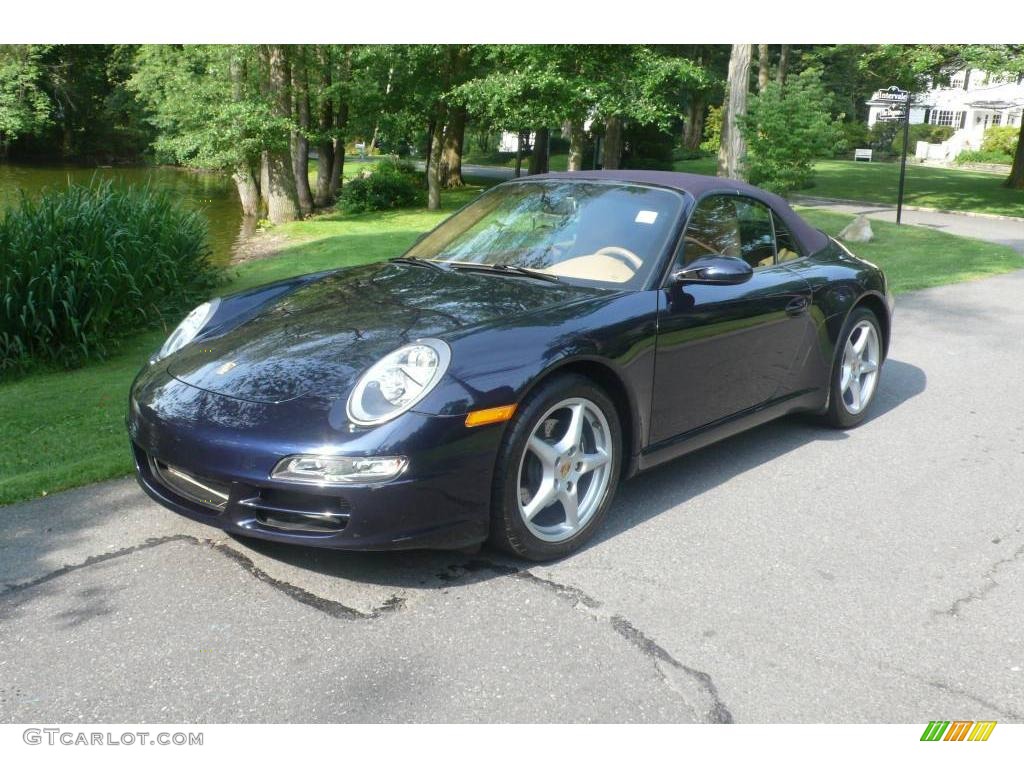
{"type": "Point", "coordinates": [185, 440]}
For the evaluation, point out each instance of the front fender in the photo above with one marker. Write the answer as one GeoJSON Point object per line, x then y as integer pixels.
{"type": "Point", "coordinates": [500, 364]}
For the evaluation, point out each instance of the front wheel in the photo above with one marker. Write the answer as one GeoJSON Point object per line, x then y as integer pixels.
{"type": "Point", "coordinates": [856, 370]}
{"type": "Point", "coordinates": [557, 471]}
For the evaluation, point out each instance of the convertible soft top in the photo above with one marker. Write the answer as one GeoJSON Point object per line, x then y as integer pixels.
{"type": "Point", "coordinates": [699, 186]}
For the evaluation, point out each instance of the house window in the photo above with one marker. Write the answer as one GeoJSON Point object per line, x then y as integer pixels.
{"type": "Point", "coordinates": [945, 117]}
{"type": "Point", "coordinates": [957, 82]}
{"type": "Point", "coordinates": [996, 119]}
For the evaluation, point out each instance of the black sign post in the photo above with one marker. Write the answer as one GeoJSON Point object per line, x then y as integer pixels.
{"type": "Point", "coordinates": [903, 161]}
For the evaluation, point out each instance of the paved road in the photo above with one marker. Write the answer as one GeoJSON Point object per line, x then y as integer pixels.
{"type": "Point", "coordinates": [792, 574]}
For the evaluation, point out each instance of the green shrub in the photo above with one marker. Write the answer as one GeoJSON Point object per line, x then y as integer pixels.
{"type": "Point", "coordinates": [391, 184]}
{"type": "Point", "coordinates": [933, 134]}
{"type": "Point", "coordinates": [983, 156]}
{"type": "Point", "coordinates": [854, 136]}
{"type": "Point", "coordinates": [712, 131]}
{"type": "Point", "coordinates": [86, 265]}
{"type": "Point", "coordinates": [786, 129]}
{"type": "Point", "coordinates": [1003, 139]}
{"type": "Point", "coordinates": [881, 137]}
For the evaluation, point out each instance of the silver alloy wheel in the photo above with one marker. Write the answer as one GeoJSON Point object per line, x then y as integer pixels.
{"type": "Point", "coordinates": [565, 470]}
{"type": "Point", "coordinates": [861, 359]}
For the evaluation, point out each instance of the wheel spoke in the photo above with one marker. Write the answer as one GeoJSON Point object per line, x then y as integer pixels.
{"type": "Point", "coordinates": [570, 503]}
{"type": "Point", "coordinates": [868, 366]}
{"type": "Point", "coordinates": [849, 353]}
{"type": "Point", "coordinates": [855, 394]}
{"type": "Point", "coordinates": [591, 461]}
{"type": "Point", "coordinates": [573, 432]}
{"type": "Point", "coordinates": [844, 381]}
{"type": "Point", "coordinates": [861, 342]}
{"type": "Point", "coordinates": [546, 452]}
{"type": "Point", "coordinates": [544, 497]}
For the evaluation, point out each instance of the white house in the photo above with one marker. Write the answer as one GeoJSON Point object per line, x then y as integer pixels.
{"type": "Point", "coordinates": [972, 102]}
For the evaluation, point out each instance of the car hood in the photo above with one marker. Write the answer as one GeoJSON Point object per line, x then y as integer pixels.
{"type": "Point", "coordinates": [320, 336]}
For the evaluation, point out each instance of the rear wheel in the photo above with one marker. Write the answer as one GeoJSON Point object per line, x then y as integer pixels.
{"type": "Point", "coordinates": [856, 370]}
{"type": "Point", "coordinates": [557, 470]}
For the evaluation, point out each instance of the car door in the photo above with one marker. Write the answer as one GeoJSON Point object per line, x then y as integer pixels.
{"type": "Point", "coordinates": [724, 349]}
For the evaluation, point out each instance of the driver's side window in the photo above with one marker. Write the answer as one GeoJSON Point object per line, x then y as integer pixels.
{"type": "Point", "coordinates": [714, 229]}
{"type": "Point", "coordinates": [725, 225]}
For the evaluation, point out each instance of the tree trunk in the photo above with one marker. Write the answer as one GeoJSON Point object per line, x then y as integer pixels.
{"type": "Point", "coordinates": [733, 147]}
{"type": "Point", "coordinates": [451, 157]}
{"type": "Point", "coordinates": [245, 178]}
{"type": "Point", "coordinates": [612, 158]}
{"type": "Point", "coordinates": [430, 147]}
{"type": "Point", "coordinates": [1016, 180]}
{"type": "Point", "coordinates": [434, 166]}
{"type": "Point", "coordinates": [576, 145]}
{"type": "Point", "coordinates": [341, 119]}
{"type": "Point", "coordinates": [248, 190]}
{"type": "Point", "coordinates": [300, 137]}
{"type": "Point", "coordinates": [780, 76]}
{"type": "Point", "coordinates": [693, 130]}
{"type": "Point", "coordinates": [519, 154]}
{"type": "Point", "coordinates": [539, 158]}
{"type": "Point", "coordinates": [337, 168]}
{"type": "Point", "coordinates": [325, 125]}
{"type": "Point", "coordinates": [264, 181]}
{"type": "Point", "coordinates": [762, 67]}
{"type": "Point", "coordinates": [282, 198]}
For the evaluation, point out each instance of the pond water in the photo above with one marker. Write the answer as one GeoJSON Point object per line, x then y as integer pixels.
{"type": "Point", "coordinates": [213, 194]}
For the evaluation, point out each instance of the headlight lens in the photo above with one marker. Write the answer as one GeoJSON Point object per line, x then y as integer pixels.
{"type": "Point", "coordinates": [188, 328]}
{"type": "Point", "coordinates": [398, 381]}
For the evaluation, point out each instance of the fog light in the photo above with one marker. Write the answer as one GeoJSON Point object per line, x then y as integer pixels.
{"type": "Point", "coordinates": [336, 470]}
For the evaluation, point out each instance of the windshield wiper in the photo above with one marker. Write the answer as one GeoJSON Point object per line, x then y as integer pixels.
{"type": "Point", "coordinates": [417, 261]}
{"type": "Point", "coordinates": [508, 269]}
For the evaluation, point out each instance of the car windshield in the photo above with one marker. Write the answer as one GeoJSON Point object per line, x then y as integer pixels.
{"type": "Point", "coordinates": [607, 235]}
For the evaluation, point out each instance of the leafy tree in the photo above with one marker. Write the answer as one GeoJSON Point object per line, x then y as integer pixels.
{"type": "Point", "coordinates": [786, 128]}
{"type": "Point", "coordinates": [534, 87]}
{"type": "Point", "coordinates": [211, 109]}
{"type": "Point", "coordinates": [24, 105]}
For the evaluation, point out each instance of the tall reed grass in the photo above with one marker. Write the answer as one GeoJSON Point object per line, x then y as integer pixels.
{"type": "Point", "coordinates": [84, 266]}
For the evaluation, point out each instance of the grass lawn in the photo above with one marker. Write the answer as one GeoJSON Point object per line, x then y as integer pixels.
{"type": "Point", "coordinates": [75, 420]}
{"type": "Point", "coordinates": [944, 188]}
{"type": "Point", "coordinates": [918, 257]}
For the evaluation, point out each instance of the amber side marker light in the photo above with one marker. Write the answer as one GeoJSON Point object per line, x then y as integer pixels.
{"type": "Point", "coordinates": [490, 415]}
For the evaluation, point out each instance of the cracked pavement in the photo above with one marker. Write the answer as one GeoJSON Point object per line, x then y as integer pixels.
{"type": "Point", "coordinates": [791, 574]}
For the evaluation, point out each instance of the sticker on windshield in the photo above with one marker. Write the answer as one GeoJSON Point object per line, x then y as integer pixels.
{"type": "Point", "coordinates": [646, 217]}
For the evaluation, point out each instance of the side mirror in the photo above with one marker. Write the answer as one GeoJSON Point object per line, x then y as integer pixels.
{"type": "Point", "coordinates": [714, 270]}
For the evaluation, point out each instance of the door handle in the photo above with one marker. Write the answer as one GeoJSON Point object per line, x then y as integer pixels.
{"type": "Point", "coordinates": [797, 306]}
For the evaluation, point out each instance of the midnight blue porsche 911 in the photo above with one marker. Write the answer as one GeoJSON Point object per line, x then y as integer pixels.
{"type": "Point", "coordinates": [497, 381]}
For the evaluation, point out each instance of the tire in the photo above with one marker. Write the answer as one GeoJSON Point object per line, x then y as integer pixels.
{"type": "Point", "coordinates": [845, 409]}
{"type": "Point", "coordinates": [531, 481]}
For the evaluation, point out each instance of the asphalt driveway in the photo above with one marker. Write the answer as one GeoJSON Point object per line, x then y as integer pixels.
{"type": "Point", "coordinates": [792, 574]}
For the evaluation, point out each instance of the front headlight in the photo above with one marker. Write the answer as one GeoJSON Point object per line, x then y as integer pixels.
{"type": "Point", "coordinates": [187, 329]}
{"type": "Point", "coordinates": [398, 381]}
